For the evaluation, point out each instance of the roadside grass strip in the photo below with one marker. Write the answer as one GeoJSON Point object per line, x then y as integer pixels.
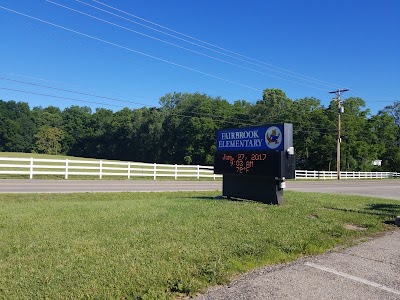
{"type": "Point", "coordinates": [165, 245]}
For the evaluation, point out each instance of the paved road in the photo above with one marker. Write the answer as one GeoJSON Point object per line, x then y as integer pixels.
{"type": "Point", "coordinates": [377, 188]}
{"type": "Point", "coordinates": [368, 271]}
{"type": "Point", "coordinates": [76, 186]}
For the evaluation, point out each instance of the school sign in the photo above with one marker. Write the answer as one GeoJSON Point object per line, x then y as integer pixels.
{"type": "Point", "coordinates": [255, 161]}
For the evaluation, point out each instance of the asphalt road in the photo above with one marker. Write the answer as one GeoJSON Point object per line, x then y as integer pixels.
{"type": "Point", "coordinates": [376, 188]}
{"type": "Point", "coordinates": [79, 186]}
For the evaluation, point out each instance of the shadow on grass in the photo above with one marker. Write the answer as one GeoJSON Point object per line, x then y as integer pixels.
{"type": "Point", "coordinates": [206, 198]}
{"type": "Point", "coordinates": [393, 209]}
{"type": "Point", "coordinates": [218, 198]}
{"type": "Point", "coordinates": [384, 210]}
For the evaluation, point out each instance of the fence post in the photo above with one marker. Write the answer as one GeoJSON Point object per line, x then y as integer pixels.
{"type": "Point", "coordinates": [155, 172]}
{"type": "Point", "coordinates": [31, 169]}
{"type": "Point", "coordinates": [198, 172]}
{"type": "Point", "coordinates": [176, 171]}
{"type": "Point", "coordinates": [101, 169]}
{"type": "Point", "coordinates": [66, 168]}
{"type": "Point", "coordinates": [129, 169]}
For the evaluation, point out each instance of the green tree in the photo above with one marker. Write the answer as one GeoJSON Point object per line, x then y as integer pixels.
{"type": "Point", "coordinates": [190, 128]}
{"type": "Point", "coordinates": [76, 128]}
{"type": "Point", "coordinates": [313, 135]}
{"type": "Point", "coordinates": [124, 131]}
{"type": "Point", "coordinates": [49, 116]}
{"type": "Point", "coordinates": [393, 111]}
{"type": "Point", "coordinates": [358, 152]}
{"type": "Point", "coordinates": [275, 107]}
{"type": "Point", "coordinates": [17, 128]}
{"type": "Point", "coordinates": [384, 133]}
{"type": "Point", "coordinates": [48, 140]}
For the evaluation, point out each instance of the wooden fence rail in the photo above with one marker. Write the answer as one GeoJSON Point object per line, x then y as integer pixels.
{"type": "Point", "coordinates": [326, 175]}
{"type": "Point", "coordinates": [101, 168]}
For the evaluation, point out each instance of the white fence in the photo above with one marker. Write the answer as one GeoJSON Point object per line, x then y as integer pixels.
{"type": "Point", "coordinates": [324, 175]}
{"type": "Point", "coordinates": [100, 169]}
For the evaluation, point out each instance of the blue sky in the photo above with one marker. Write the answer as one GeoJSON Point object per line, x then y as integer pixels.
{"type": "Point", "coordinates": [336, 44]}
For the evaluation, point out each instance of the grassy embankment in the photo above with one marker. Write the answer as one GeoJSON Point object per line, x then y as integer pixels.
{"type": "Point", "coordinates": [163, 245]}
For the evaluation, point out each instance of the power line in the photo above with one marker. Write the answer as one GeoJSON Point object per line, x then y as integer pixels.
{"type": "Point", "coordinates": [214, 117]}
{"type": "Point", "coordinates": [59, 97]}
{"type": "Point", "coordinates": [180, 47]}
{"type": "Point", "coordinates": [99, 96]}
{"type": "Point", "coordinates": [132, 50]}
{"type": "Point", "coordinates": [96, 96]}
{"type": "Point", "coordinates": [40, 79]}
{"type": "Point", "coordinates": [277, 118]}
{"type": "Point", "coordinates": [144, 53]}
{"type": "Point", "coordinates": [286, 71]}
{"type": "Point", "coordinates": [72, 91]}
{"type": "Point", "coordinates": [119, 106]}
{"type": "Point", "coordinates": [239, 83]}
{"type": "Point", "coordinates": [264, 64]}
{"type": "Point", "coordinates": [232, 120]}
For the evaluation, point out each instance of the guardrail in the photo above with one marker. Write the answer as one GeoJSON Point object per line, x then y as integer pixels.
{"type": "Point", "coordinates": [100, 168]}
{"type": "Point", "coordinates": [326, 175]}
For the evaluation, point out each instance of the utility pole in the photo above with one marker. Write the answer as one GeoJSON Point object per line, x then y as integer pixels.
{"type": "Point", "coordinates": [339, 140]}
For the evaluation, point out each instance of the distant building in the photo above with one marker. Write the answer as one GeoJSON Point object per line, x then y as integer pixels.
{"type": "Point", "coordinates": [377, 162]}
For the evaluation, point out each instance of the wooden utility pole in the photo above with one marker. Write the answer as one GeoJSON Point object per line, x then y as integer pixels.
{"type": "Point", "coordinates": [339, 139]}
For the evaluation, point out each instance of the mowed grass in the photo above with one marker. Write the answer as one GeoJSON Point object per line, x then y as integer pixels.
{"type": "Point", "coordinates": [165, 245]}
{"type": "Point", "coordinates": [42, 156]}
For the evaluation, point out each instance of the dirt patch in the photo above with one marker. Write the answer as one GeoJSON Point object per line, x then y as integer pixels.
{"type": "Point", "coordinates": [313, 216]}
{"type": "Point", "coordinates": [354, 227]}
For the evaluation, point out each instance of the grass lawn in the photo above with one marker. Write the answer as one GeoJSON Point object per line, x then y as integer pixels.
{"type": "Point", "coordinates": [164, 245]}
{"type": "Point", "coordinates": [42, 156]}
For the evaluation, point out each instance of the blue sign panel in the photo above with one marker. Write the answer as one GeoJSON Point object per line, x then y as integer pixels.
{"type": "Point", "coordinates": [251, 138]}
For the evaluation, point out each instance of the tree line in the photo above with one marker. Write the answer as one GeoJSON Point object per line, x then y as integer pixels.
{"type": "Point", "coordinates": [182, 130]}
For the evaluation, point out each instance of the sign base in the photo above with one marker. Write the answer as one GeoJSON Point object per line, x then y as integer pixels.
{"type": "Point", "coordinates": [257, 188]}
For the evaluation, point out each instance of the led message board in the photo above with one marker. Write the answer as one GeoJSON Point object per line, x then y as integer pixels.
{"type": "Point", "coordinates": [248, 163]}
{"type": "Point", "coordinates": [255, 161]}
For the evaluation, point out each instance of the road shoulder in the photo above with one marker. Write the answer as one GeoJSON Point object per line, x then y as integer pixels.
{"type": "Point", "coordinates": [366, 271]}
